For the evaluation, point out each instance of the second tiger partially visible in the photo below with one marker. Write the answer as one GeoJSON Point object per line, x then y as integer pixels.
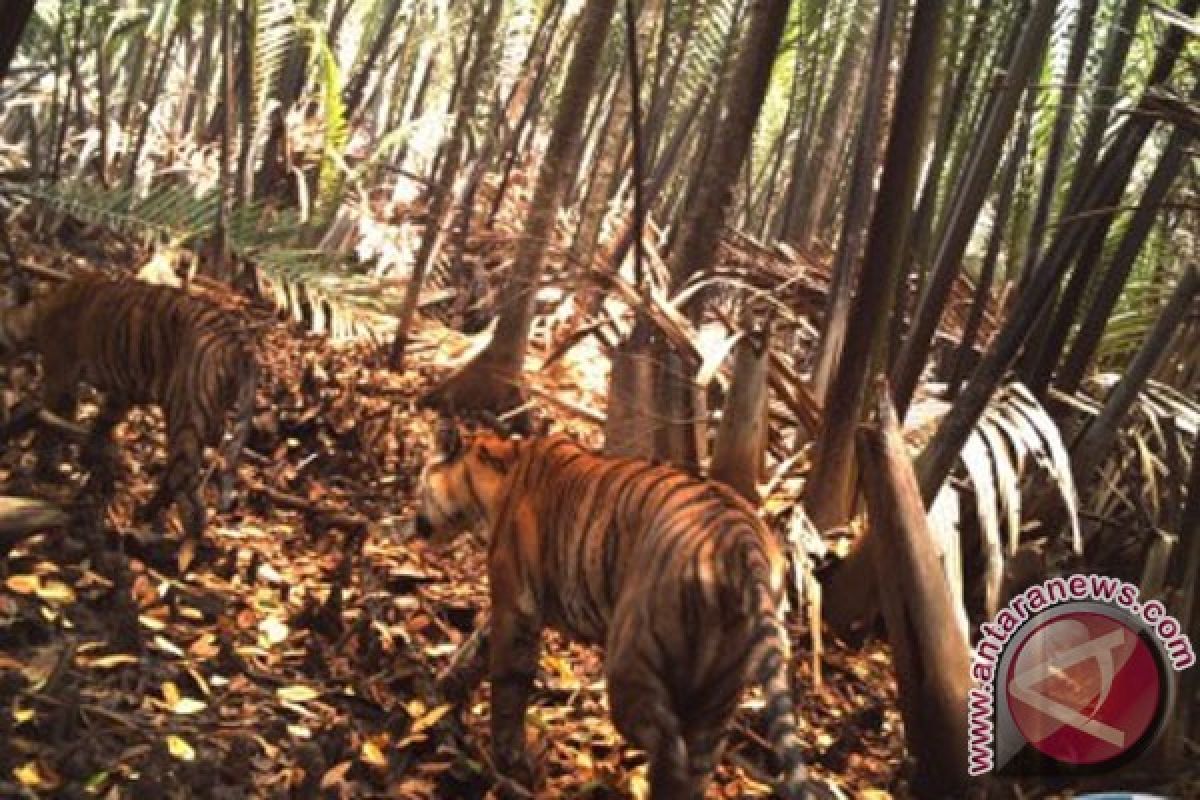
{"type": "Point", "coordinates": [677, 577]}
{"type": "Point", "coordinates": [142, 344]}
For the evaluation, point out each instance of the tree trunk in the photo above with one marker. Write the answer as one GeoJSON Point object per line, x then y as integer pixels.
{"type": "Point", "coordinates": [353, 93]}
{"type": "Point", "coordinates": [510, 151]}
{"type": "Point", "coordinates": [1108, 80]}
{"type": "Point", "coordinates": [18, 14]}
{"type": "Point", "coordinates": [443, 191]}
{"type": "Point", "coordinates": [492, 379]}
{"type": "Point", "coordinates": [152, 95]}
{"type": "Point", "coordinates": [1080, 43]}
{"type": "Point", "coordinates": [1096, 441]}
{"type": "Point", "coordinates": [218, 262]}
{"type": "Point", "coordinates": [1105, 299]}
{"type": "Point", "coordinates": [929, 645]}
{"type": "Point", "coordinates": [247, 105]}
{"type": "Point", "coordinates": [968, 202]}
{"type": "Point", "coordinates": [831, 131]}
{"type": "Point", "coordinates": [742, 435]}
{"type": "Point", "coordinates": [703, 219]}
{"type": "Point", "coordinates": [1121, 158]}
{"type": "Point", "coordinates": [987, 273]}
{"type": "Point", "coordinates": [1107, 181]}
{"type": "Point", "coordinates": [858, 206]}
{"type": "Point", "coordinates": [829, 491]}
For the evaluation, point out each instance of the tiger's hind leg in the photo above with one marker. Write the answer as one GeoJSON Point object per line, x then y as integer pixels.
{"type": "Point", "coordinates": [181, 482]}
{"type": "Point", "coordinates": [642, 712]}
{"type": "Point", "coordinates": [705, 739]}
{"type": "Point", "coordinates": [61, 398]}
{"type": "Point", "coordinates": [231, 450]}
{"type": "Point", "coordinates": [643, 708]}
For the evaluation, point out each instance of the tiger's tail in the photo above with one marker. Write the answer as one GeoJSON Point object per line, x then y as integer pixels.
{"type": "Point", "coordinates": [246, 379]}
{"type": "Point", "coordinates": [773, 661]}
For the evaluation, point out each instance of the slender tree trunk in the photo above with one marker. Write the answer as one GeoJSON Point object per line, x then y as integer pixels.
{"type": "Point", "coordinates": [202, 67]}
{"type": "Point", "coordinates": [418, 104]}
{"type": "Point", "coordinates": [152, 95]}
{"type": "Point", "coordinates": [704, 219]}
{"type": "Point", "coordinates": [831, 130]}
{"type": "Point", "coordinates": [1108, 81]}
{"type": "Point", "coordinates": [103, 94]}
{"type": "Point", "coordinates": [968, 202]}
{"type": "Point", "coordinates": [858, 205]}
{"type": "Point", "coordinates": [353, 93]}
{"type": "Point", "coordinates": [1096, 441]}
{"type": "Point", "coordinates": [1105, 183]}
{"type": "Point", "coordinates": [829, 490]}
{"type": "Point", "coordinates": [1080, 43]}
{"type": "Point", "coordinates": [219, 259]}
{"type": "Point", "coordinates": [656, 117]}
{"type": "Point", "coordinates": [247, 105]}
{"type": "Point", "coordinates": [504, 108]}
{"type": "Point", "coordinates": [1043, 352]}
{"type": "Point", "coordinates": [63, 112]}
{"type": "Point", "coordinates": [491, 380]}
{"type": "Point", "coordinates": [18, 13]}
{"type": "Point", "coordinates": [1108, 292]}
{"type": "Point", "coordinates": [511, 149]}
{"type": "Point", "coordinates": [443, 191]}
{"type": "Point", "coordinates": [987, 273]}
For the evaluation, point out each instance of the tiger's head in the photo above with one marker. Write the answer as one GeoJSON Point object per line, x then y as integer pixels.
{"type": "Point", "coordinates": [462, 483]}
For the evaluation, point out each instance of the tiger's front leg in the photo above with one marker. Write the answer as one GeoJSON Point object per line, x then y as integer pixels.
{"type": "Point", "coordinates": [181, 482]}
{"type": "Point", "coordinates": [515, 646]}
{"type": "Point", "coordinates": [100, 451]}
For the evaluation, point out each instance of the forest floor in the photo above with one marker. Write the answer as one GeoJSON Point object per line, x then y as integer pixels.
{"type": "Point", "coordinates": [293, 652]}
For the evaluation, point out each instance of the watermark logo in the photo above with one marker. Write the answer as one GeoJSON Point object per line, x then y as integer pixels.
{"type": "Point", "coordinates": [1073, 676]}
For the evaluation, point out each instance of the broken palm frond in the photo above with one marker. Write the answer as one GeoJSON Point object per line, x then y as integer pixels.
{"type": "Point", "coordinates": [1132, 509]}
{"type": "Point", "coordinates": [1015, 441]}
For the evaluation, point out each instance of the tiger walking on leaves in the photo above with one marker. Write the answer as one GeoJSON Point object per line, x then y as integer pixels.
{"type": "Point", "coordinates": [141, 344]}
{"type": "Point", "coordinates": [676, 576]}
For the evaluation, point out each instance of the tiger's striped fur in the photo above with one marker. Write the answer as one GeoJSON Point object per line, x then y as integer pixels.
{"type": "Point", "coordinates": [676, 576]}
{"type": "Point", "coordinates": [142, 344]}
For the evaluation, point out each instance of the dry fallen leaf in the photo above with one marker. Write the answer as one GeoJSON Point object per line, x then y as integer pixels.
{"type": "Point", "coordinates": [56, 592]}
{"type": "Point", "coordinates": [23, 584]}
{"type": "Point", "coordinates": [179, 748]}
{"type": "Point", "coordinates": [296, 694]}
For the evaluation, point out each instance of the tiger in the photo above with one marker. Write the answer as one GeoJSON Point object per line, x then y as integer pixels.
{"type": "Point", "coordinates": [676, 576]}
{"type": "Point", "coordinates": [141, 344]}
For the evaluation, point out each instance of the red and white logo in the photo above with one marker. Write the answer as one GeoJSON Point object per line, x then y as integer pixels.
{"type": "Point", "coordinates": [1084, 688]}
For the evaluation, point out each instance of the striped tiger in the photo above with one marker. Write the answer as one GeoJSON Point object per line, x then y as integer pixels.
{"type": "Point", "coordinates": [676, 576]}
{"type": "Point", "coordinates": [141, 344]}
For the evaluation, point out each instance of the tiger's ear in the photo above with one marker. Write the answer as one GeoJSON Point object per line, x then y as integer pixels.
{"type": "Point", "coordinates": [448, 439]}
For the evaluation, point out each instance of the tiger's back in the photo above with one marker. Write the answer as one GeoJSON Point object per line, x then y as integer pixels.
{"type": "Point", "coordinates": [146, 344]}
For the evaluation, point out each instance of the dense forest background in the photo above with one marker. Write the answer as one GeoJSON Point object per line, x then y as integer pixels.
{"type": "Point", "coordinates": [743, 236]}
